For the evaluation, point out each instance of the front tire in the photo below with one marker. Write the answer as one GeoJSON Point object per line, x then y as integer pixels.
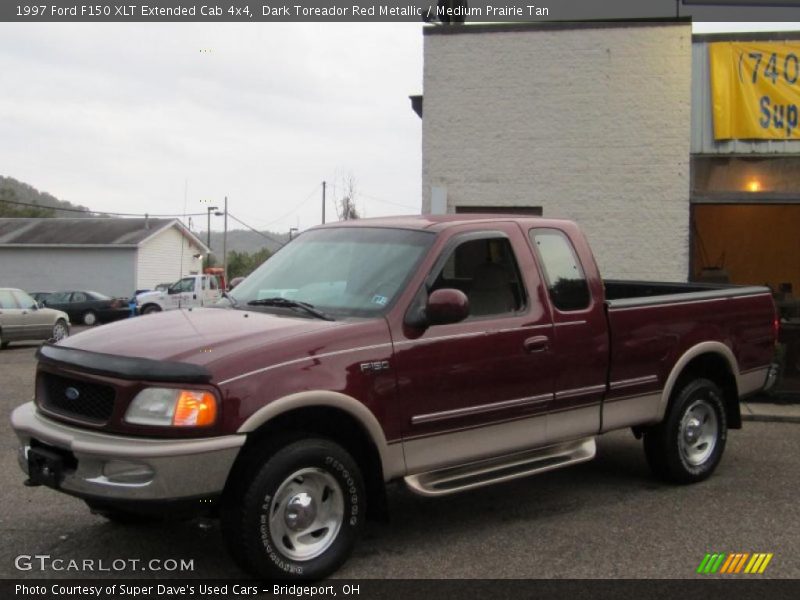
{"type": "Point", "coordinates": [151, 309]}
{"type": "Point", "coordinates": [688, 445]}
{"type": "Point", "coordinates": [297, 514]}
{"type": "Point", "coordinates": [60, 330]}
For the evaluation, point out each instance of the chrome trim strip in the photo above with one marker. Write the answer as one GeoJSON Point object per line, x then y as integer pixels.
{"type": "Point", "coordinates": [566, 323]}
{"type": "Point", "coordinates": [484, 332]}
{"type": "Point", "coordinates": [688, 298]}
{"type": "Point", "coordinates": [456, 336]}
{"type": "Point", "coordinates": [626, 383]}
{"type": "Point", "coordinates": [753, 370]}
{"type": "Point", "coordinates": [621, 398]}
{"type": "Point", "coordinates": [480, 409]}
{"type": "Point", "coordinates": [584, 391]}
{"type": "Point", "coordinates": [303, 359]}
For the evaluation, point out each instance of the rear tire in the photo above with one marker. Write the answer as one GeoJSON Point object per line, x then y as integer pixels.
{"type": "Point", "coordinates": [89, 318]}
{"type": "Point", "coordinates": [297, 513]}
{"type": "Point", "coordinates": [687, 446]}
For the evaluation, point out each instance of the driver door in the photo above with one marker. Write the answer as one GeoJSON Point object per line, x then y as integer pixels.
{"type": "Point", "coordinates": [480, 387]}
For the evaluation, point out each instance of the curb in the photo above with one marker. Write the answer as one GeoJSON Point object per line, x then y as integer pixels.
{"type": "Point", "coordinates": [771, 418]}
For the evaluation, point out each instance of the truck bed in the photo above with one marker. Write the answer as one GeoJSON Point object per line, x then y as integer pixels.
{"type": "Point", "coordinates": [621, 293]}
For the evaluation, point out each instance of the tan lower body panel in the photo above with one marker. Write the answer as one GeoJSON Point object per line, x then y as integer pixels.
{"type": "Point", "coordinates": [458, 447]}
{"type": "Point", "coordinates": [635, 410]}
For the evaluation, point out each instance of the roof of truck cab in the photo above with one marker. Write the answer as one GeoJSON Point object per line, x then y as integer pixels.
{"type": "Point", "coordinates": [441, 222]}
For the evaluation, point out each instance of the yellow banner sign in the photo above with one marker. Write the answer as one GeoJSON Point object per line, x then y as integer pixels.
{"type": "Point", "coordinates": [755, 90]}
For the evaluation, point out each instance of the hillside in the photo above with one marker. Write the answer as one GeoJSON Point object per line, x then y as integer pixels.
{"type": "Point", "coordinates": [243, 240]}
{"type": "Point", "coordinates": [17, 191]}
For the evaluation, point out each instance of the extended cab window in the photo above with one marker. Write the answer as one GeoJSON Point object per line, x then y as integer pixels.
{"type": "Point", "coordinates": [566, 282]}
{"type": "Point", "coordinates": [486, 271]}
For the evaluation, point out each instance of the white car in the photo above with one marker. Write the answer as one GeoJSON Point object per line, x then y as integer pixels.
{"type": "Point", "coordinates": [22, 319]}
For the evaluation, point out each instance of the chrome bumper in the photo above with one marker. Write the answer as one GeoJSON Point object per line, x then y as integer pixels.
{"type": "Point", "coordinates": [124, 468]}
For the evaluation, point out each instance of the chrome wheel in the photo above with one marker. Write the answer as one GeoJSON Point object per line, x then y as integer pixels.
{"type": "Point", "coordinates": [306, 514]}
{"type": "Point", "coordinates": [60, 331]}
{"type": "Point", "coordinates": [698, 432]}
{"type": "Point", "coordinates": [89, 318]}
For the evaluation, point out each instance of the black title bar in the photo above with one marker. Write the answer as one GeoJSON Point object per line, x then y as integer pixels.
{"type": "Point", "coordinates": [442, 12]}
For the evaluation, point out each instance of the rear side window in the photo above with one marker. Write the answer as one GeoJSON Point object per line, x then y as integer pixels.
{"type": "Point", "coordinates": [566, 282]}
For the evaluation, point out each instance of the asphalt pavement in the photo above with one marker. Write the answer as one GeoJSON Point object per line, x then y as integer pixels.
{"type": "Point", "coordinates": [608, 518]}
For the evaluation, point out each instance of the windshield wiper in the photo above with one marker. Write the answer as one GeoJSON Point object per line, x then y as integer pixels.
{"type": "Point", "coordinates": [286, 303]}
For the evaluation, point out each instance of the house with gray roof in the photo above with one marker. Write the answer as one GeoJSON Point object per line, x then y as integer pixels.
{"type": "Point", "coordinates": [107, 255]}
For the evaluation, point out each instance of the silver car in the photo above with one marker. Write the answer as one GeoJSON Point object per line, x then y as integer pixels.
{"type": "Point", "coordinates": [21, 318]}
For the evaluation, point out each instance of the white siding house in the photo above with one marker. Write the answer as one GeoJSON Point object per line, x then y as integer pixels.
{"type": "Point", "coordinates": [586, 121]}
{"type": "Point", "coordinates": [111, 256]}
{"type": "Point", "coordinates": [167, 256]}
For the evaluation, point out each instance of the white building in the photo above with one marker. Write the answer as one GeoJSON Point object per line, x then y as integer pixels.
{"type": "Point", "coordinates": [111, 256]}
{"type": "Point", "coordinates": [588, 121]}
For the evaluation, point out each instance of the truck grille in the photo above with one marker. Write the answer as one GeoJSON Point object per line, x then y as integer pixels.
{"type": "Point", "coordinates": [78, 399]}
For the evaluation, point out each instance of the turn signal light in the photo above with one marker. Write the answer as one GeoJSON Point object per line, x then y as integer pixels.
{"type": "Point", "coordinates": [195, 409]}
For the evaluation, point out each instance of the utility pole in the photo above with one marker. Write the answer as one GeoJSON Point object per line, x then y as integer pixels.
{"type": "Point", "coordinates": [225, 246]}
{"type": "Point", "coordinates": [323, 203]}
{"type": "Point", "coordinates": [208, 226]}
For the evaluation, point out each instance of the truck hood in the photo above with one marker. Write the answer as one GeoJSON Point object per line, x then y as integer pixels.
{"type": "Point", "coordinates": [140, 298]}
{"type": "Point", "coordinates": [198, 335]}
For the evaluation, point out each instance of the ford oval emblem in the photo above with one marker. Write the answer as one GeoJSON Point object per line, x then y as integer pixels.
{"type": "Point", "coordinates": [72, 393]}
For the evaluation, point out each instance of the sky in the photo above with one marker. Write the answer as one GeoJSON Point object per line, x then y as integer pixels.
{"type": "Point", "coordinates": [171, 118]}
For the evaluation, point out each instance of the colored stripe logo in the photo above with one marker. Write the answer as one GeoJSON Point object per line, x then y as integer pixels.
{"type": "Point", "coordinates": [734, 563]}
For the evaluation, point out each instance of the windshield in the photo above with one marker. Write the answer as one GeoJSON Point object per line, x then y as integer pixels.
{"type": "Point", "coordinates": [349, 271]}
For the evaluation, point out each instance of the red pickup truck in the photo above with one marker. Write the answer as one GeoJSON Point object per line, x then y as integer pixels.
{"type": "Point", "coordinates": [451, 352]}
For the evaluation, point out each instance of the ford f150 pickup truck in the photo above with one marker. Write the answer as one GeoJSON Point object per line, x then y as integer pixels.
{"type": "Point", "coordinates": [450, 352]}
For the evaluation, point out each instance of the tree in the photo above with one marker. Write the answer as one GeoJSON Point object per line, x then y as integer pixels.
{"type": "Point", "coordinates": [241, 264]}
{"type": "Point", "coordinates": [7, 209]}
{"type": "Point", "coordinates": [345, 194]}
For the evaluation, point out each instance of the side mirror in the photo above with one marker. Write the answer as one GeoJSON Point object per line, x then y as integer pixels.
{"type": "Point", "coordinates": [446, 306]}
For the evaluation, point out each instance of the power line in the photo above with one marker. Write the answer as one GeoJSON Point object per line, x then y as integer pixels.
{"type": "Point", "coordinates": [93, 212]}
{"type": "Point", "coordinates": [296, 207]}
{"type": "Point", "coordinates": [261, 233]}
{"type": "Point", "coordinates": [360, 193]}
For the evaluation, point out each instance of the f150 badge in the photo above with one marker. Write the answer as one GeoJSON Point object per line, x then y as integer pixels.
{"type": "Point", "coordinates": [375, 366]}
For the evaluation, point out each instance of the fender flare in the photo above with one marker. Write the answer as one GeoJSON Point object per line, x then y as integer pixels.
{"type": "Point", "coordinates": [717, 348]}
{"type": "Point", "coordinates": [391, 455]}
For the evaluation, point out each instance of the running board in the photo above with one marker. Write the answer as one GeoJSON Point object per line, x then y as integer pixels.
{"type": "Point", "coordinates": [503, 468]}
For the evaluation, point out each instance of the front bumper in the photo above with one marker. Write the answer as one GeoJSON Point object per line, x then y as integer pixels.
{"type": "Point", "coordinates": [113, 467]}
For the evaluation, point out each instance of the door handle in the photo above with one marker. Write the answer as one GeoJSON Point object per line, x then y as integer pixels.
{"type": "Point", "coordinates": [538, 343]}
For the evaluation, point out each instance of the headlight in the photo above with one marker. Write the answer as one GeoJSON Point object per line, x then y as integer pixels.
{"type": "Point", "coordinates": [172, 407]}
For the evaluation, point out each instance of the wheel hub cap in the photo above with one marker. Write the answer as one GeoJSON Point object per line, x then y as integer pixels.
{"type": "Point", "coordinates": [306, 513]}
{"type": "Point", "coordinates": [301, 510]}
{"type": "Point", "coordinates": [692, 430]}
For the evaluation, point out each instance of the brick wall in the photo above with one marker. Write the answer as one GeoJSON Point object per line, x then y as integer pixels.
{"type": "Point", "coordinates": [591, 124]}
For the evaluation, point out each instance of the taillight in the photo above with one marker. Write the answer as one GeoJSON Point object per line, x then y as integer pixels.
{"type": "Point", "coordinates": [776, 328]}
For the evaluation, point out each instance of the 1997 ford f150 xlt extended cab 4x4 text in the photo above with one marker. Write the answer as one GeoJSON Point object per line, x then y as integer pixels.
{"type": "Point", "coordinates": [451, 352]}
